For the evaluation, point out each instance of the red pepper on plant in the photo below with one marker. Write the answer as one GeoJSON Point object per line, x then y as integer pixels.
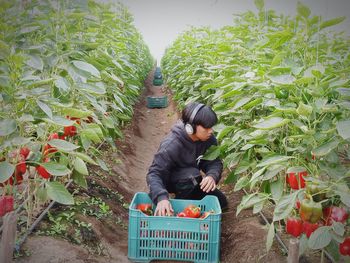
{"type": "Point", "coordinates": [6, 204]}
{"type": "Point", "coordinates": [344, 247]}
{"type": "Point", "coordinates": [335, 214]}
{"type": "Point", "coordinates": [310, 211]}
{"type": "Point", "coordinates": [309, 228]}
{"type": "Point", "coordinates": [43, 172]}
{"type": "Point", "coordinates": [296, 181]}
{"type": "Point", "coordinates": [294, 226]}
{"type": "Point", "coordinates": [24, 151]}
{"type": "Point", "coordinates": [48, 148]}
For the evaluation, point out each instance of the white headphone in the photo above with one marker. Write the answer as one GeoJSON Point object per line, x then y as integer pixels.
{"type": "Point", "coordinates": [189, 126]}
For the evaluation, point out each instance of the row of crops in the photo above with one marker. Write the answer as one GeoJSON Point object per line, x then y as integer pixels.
{"type": "Point", "coordinates": [280, 86]}
{"type": "Point", "coordinates": [70, 73]}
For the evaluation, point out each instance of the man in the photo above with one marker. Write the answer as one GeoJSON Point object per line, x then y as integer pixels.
{"type": "Point", "coordinates": [177, 164]}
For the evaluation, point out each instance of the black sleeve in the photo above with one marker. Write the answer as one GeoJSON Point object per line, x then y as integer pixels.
{"type": "Point", "coordinates": [158, 175]}
{"type": "Point", "coordinates": [213, 167]}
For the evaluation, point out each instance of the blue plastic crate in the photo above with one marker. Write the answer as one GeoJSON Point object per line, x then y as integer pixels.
{"type": "Point", "coordinates": [157, 82]}
{"type": "Point", "coordinates": [157, 102]}
{"type": "Point", "coordinates": [174, 238]}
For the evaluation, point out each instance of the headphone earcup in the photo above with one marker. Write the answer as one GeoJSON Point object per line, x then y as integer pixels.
{"type": "Point", "coordinates": [189, 128]}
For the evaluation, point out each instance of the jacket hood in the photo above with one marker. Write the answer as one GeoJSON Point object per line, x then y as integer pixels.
{"type": "Point", "coordinates": [179, 131]}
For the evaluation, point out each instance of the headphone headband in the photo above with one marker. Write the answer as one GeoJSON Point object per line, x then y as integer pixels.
{"type": "Point", "coordinates": [195, 111]}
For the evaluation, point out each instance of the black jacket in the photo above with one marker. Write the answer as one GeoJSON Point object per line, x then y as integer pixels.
{"type": "Point", "coordinates": [179, 158]}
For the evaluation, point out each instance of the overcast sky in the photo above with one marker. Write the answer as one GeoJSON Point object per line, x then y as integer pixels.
{"type": "Point", "coordinates": [161, 21]}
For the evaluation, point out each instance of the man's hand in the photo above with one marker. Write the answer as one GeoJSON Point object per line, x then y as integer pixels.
{"type": "Point", "coordinates": [164, 208]}
{"type": "Point", "coordinates": [208, 184]}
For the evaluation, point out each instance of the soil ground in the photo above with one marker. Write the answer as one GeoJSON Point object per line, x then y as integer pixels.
{"type": "Point", "coordinates": [243, 237]}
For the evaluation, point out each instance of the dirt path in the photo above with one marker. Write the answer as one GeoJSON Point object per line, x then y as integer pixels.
{"type": "Point", "coordinates": [243, 237]}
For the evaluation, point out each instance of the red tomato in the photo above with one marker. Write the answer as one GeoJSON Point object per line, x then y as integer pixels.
{"type": "Point", "coordinates": [294, 180]}
{"type": "Point", "coordinates": [294, 226]}
{"type": "Point", "coordinates": [344, 248]}
{"type": "Point", "coordinates": [192, 211]}
{"type": "Point", "coordinates": [43, 172]}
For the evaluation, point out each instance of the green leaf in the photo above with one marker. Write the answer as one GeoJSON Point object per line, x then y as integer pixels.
{"type": "Point", "coordinates": [271, 123]}
{"type": "Point", "coordinates": [80, 166]}
{"type": "Point", "coordinates": [76, 113]}
{"type": "Point", "coordinates": [303, 10]}
{"type": "Point", "coordinates": [86, 67]}
{"type": "Point", "coordinates": [57, 192]}
{"type": "Point", "coordinates": [224, 132]}
{"type": "Point", "coordinates": [92, 89]}
{"type": "Point", "coordinates": [4, 50]}
{"type": "Point", "coordinates": [79, 179]}
{"type": "Point", "coordinates": [35, 62]}
{"type": "Point", "coordinates": [7, 127]}
{"type": "Point", "coordinates": [84, 157]}
{"type": "Point", "coordinates": [242, 182]}
{"type": "Point", "coordinates": [257, 174]}
{"type": "Point", "coordinates": [62, 84]}
{"type": "Point", "coordinates": [325, 148]}
{"type": "Point", "coordinates": [6, 171]}
{"type": "Point", "coordinates": [212, 153]}
{"type": "Point", "coordinates": [270, 236]}
{"type": "Point", "coordinates": [56, 169]}
{"type": "Point", "coordinates": [59, 121]}
{"type": "Point", "coordinates": [45, 108]}
{"type": "Point", "coordinates": [304, 110]}
{"type": "Point", "coordinates": [285, 206]}
{"type": "Point", "coordinates": [273, 160]}
{"type": "Point", "coordinates": [338, 228]}
{"type": "Point", "coordinates": [272, 171]}
{"type": "Point", "coordinates": [63, 145]}
{"type": "Point", "coordinates": [277, 189]}
{"type": "Point", "coordinates": [241, 102]}
{"type": "Point", "coordinates": [102, 165]}
{"type": "Point", "coordinates": [260, 4]}
{"type": "Point", "coordinates": [320, 238]}
{"type": "Point", "coordinates": [332, 22]}
{"type": "Point", "coordinates": [342, 189]}
{"type": "Point", "coordinates": [285, 79]}
{"type": "Point", "coordinates": [343, 128]}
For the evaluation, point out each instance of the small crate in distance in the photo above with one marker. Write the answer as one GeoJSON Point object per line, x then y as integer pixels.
{"type": "Point", "coordinates": [157, 102]}
{"type": "Point", "coordinates": [174, 238]}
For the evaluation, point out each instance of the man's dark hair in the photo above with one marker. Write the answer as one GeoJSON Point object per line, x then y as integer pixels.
{"type": "Point", "coordinates": [205, 117]}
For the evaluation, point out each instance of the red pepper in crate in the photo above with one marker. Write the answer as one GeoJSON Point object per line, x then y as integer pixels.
{"type": "Point", "coordinates": [145, 208]}
{"type": "Point", "coordinates": [334, 213]}
{"type": "Point", "coordinates": [296, 181]}
{"type": "Point", "coordinates": [294, 226]}
{"type": "Point", "coordinates": [192, 211]}
{"type": "Point", "coordinates": [310, 211]}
